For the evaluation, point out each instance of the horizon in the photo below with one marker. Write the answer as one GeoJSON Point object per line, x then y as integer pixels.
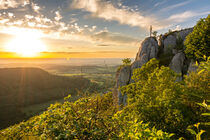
{"type": "Point", "coordinates": [81, 29]}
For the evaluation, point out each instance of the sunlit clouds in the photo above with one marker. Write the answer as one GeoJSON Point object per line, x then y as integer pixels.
{"type": "Point", "coordinates": [106, 10]}
{"type": "Point", "coordinates": [76, 27]}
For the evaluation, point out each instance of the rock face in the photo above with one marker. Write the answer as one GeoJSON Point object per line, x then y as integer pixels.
{"type": "Point", "coordinates": [147, 51]}
{"type": "Point", "coordinates": [122, 80]}
{"type": "Point", "coordinates": [151, 48]}
{"type": "Point", "coordinates": [170, 40]}
{"type": "Point", "coordinates": [177, 64]}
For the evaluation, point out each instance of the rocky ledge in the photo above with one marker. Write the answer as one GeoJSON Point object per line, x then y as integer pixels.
{"type": "Point", "coordinates": [168, 49]}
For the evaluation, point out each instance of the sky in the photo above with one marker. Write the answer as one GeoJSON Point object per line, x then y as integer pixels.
{"type": "Point", "coordinates": [90, 28]}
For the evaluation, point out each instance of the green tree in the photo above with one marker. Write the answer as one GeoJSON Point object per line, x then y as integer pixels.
{"type": "Point", "coordinates": [198, 42]}
{"type": "Point", "coordinates": [126, 61]}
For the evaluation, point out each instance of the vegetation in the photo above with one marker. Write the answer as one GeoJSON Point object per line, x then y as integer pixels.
{"type": "Point", "coordinates": [179, 43]}
{"type": "Point", "coordinates": [198, 42]}
{"type": "Point", "coordinates": [24, 87]}
{"type": "Point", "coordinates": [126, 61]}
{"type": "Point", "coordinates": [154, 33]}
{"type": "Point", "coordinates": [158, 108]}
{"type": "Point", "coordinates": [87, 118]}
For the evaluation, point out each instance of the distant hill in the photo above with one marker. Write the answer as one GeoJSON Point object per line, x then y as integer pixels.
{"type": "Point", "coordinates": [20, 87]}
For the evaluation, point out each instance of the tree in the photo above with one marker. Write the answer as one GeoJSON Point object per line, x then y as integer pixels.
{"type": "Point", "coordinates": [198, 42]}
{"type": "Point", "coordinates": [154, 33]}
{"type": "Point", "coordinates": [126, 61]}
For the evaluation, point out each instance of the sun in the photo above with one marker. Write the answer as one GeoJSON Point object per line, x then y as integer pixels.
{"type": "Point", "coordinates": [27, 43]}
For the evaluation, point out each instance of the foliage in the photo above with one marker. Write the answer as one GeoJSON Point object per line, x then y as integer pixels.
{"type": "Point", "coordinates": [23, 87]}
{"type": "Point", "coordinates": [202, 86]}
{"type": "Point", "coordinates": [126, 61]}
{"type": "Point", "coordinates": [198, 42]}
{"type": "Point", "coordinates": [156, 98]}
{"type": "Point", "coordinates": [179, 43]}
{"type": "Point", "coordinates": [154, 33]}
{"type": "Point", "coordinates": [197, 83]}
{"type": "Point", "coordinates": [88, 118]}
{"type": "Point", "coordinates": [193, 132]}
{"type": "Point", "coordinates": [199, 131]}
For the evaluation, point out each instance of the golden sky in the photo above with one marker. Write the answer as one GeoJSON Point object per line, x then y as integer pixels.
{"type": "Point", "coordinates": [89, 28]}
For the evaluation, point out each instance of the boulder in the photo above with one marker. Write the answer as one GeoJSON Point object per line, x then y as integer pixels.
{"type": "Point", "coordinates": [177, 64]}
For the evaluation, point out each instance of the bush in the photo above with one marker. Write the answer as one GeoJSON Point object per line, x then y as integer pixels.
{"type": "Point", "coordinates": [198, 42]}
{"type": "Point", "coordinates": [157, 99]}
{"type": "Point", "coordinates": [88, 118]}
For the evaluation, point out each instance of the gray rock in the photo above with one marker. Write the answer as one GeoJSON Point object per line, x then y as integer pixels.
{"type": "Point", "coordinates": [148, 50]}
{"type": "Point", "coordinates": [122, 80]}
{"type": "Point", "coordinates": [169, 43]}
{"type": "Point", "coordinates": [184, 33]}
{"type": "Point", "coordinates": [177, 64]}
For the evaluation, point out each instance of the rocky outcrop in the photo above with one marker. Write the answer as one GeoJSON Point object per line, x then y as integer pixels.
{"type": "Point", "coordinates": [169, 47]}
{"type": "Point", "coordinates": [177, 64]}
{"type": "Point", "coordinates": [147, 51]}
{"type": "Point", "coordinates": [122, 80]}
{"type": "Point", "coordinates": [169, 40]}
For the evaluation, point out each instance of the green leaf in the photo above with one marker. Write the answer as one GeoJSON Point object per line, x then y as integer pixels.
{"type": "Point", "coordinates": [191, 131]}
{"type": "Point", "coordinates": [205, 114]}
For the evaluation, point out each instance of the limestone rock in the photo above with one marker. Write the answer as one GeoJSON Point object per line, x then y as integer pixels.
{"type": "Point", "coordinates": [166, 48]}
{"type": "Point", "coordinates": [169, 43]}
{"type": "Point", "coordinates": [122, 80]}
{"type": "Point", "coordinates": [184, 33]}
{"type": "Point", "coordinates": [177, 63]}
{"type": "Point", "coordinates": [148, 50]}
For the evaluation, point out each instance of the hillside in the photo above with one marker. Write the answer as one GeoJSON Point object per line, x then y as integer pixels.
{"type": "Point", "coordinates": [21, 87]}
{"type": "Point", "coordinates": [162, 95]}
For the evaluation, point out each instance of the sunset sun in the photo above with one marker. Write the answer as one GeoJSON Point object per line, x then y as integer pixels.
{"type": "Point", "coordinates": [26, 44]}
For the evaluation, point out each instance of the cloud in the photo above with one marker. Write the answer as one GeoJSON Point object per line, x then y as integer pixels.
{"type": "Point", "coordinates": [35, 7]}
{"type": "Point", "coordinates": [58, 16]}
{"type": "Point", "coordinates": [108, 37]}
{"type": "Point", "coordinates": [181, 17]}
{"type": "Point", "coordinates": [107, 11]}
{"type": "Point", "coordinates": [160, 3]}
{"type": "Point", "coordinates": [175, 6]}
{"type": "Point", "coordinates": [5, 4]}
{"type": "Point", "coordinates": [103, 45]}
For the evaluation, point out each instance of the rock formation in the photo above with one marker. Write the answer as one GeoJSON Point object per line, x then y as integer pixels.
{"type": "Point", "coordinates": [169, 47]}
